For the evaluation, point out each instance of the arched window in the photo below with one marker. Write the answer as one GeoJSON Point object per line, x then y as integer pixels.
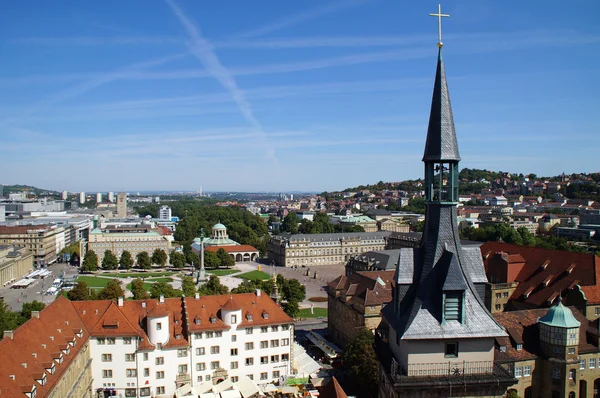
{"type": "Point", "coordinates": [571, 394]}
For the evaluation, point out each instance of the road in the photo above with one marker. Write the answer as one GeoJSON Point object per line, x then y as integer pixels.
{"type": "Point", "coordinates": [16, 297]}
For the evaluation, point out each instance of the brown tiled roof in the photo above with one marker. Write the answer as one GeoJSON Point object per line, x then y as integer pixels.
{"type": "Point", "coordinates": [42, 337]}
{"type": "Point", "coordinates": [18, 229]}
{"type": "Point", "coordinates": [364, 288]}
{"type": "Point", "coordinates": [333, 390]}
{"type": "Point", "coordinates": [523, 329]}
{"type": "Point", "coordinates": [232, 248]}
{"type": "Point", "coordinates": [546, 272]}
{"type": "Point", "coordinates": [231, 305]}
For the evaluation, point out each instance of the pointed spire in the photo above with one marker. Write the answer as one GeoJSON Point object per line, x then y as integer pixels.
{"type": "Point", "coordinates": [441, 144]}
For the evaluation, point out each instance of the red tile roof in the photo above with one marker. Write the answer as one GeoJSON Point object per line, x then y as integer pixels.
{"type": "Point", "coordinates": [546, 272]}
{"type": "Point", "coordinates": [364, 287]}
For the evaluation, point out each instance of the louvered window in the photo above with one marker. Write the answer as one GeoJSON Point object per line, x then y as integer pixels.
{"type": "Point", "coordinates": [453, 306]}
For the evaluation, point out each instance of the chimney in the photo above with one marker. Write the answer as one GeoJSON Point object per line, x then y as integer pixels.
{"type": "Point", "coordinates": [8, 334]}
{"type": "Point", "coordinates": [197, 296]}
{"type": "Point", "coordinates": [96, 312]}
{"type": "Point", "coordinates": [258, 292]}
{"type": "Point", "coordinates": [35, 314]}
{"type": "Point", "coordinates": [161, 299]}
{"type": "Point", "coordinates": [120, 301]}
{"type": "Point", "coordinates": [143, 304]}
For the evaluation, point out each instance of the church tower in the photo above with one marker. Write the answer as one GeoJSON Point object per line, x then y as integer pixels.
{"type": "Point", "coordinates": [438, 335]}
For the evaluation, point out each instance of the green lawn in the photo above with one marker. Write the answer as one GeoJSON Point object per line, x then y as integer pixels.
{"type": "Point", "coordinates": [305, 313]}
{"type": "Point", "coordinates": [138, 274]}
{"type": "Point", "coordinates": [254, 275]}
{"type": "Point", "coordinates": [222, 272]}
{"type": "Point", "coordinates": [94, 281]}
{"type": "Point", "coordinates": [162, 279]}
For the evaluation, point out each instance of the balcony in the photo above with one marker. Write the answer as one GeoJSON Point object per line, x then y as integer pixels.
{"type": "Point", "coordinates": [183, 378]}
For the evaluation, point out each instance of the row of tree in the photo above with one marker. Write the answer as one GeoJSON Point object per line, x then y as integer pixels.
{"type": "Point", "coordinates": [521, 236]}
{"type": "Point", "coordinates": [319, 225]}
{"type": "Point", "coordinates": [110, 261]}
{"type": "Point", "coordinates": [242, 226]}
{"type": "Point", "coordinates": [10, 320]}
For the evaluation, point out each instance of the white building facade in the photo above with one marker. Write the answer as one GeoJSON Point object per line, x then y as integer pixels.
{"type": "Point", "coordinates": [164, 213]}
{"type": "Point", "coordinates": [146, 348]}
{"type": "Point", "coordinates": [81, 197]}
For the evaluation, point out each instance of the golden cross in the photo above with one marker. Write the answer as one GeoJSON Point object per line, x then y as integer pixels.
{"type": "Point", "coordinates": [439, 15]}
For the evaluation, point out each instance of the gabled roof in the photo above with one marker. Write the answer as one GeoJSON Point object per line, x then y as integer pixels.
{"type": "Point", "coordinates": [367, 288]}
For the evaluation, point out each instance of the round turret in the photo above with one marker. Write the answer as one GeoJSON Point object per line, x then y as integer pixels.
{"type": "Point", "coordinates": [231, 312]}
{"type": "Point", "coordinates": [219, 231]}
{"type": "Point", "coordinates": [558, 330]}
{"type": "Point", "coordinates": [158, 325]}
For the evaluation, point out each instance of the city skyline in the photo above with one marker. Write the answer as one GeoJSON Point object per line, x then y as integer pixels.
{"type": "Point", "coordinates": [313, 94]}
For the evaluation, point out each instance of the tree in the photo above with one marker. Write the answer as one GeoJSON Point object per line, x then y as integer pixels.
{"type": "Point", "coordinates": [111, 291]}
{"type": "Point", "coordinates": [213, 287]}
{"type": "Point", "coordinates": [90, 261]}
{"type": "Point", "coordinates": [9, 320]}
{"type": "Point", "coordinates": [293, 291]}
{"type": "Point", "coordinates": [138, 289]}
{"type": "Point", "coordinates": [80, 292]}
{"type": "Point", "coordinates": [192, 258]}
{"type": "Point", "coordinates": [143, 260]}
{"type": "Point", "coordinates": [164, 289]}
{"type": "Point", "coordinates": [159, 257]}
{"type": "Point", "coordinates": [177, 259]}
{"type": "Point", "coordinates": [187, 286]}
{"type": "Point", "coordinates": [211, 260]}
{"type": "Point", "coordinates": [361, 362]}
{"type": "Point", "coordinates": [291, 308]}
{"type": "Point", "coordinates": [32, 306]}
{"type": "Point", "coordinates": [226, 260]}
{"type": "Point", "coordinates": [419, 226]}
{"type": "Point", "coordinates": [126, 260]}
{"type": "Point", "coordinates": [290, 223]}
{"type": "Point", "coordinates": [109, 261]}
{"type": "Point", "coordinates": [247, 286]}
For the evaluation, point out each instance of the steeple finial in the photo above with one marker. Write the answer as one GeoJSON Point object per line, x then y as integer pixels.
{"type": "Point", "coordinates": [439, 15]}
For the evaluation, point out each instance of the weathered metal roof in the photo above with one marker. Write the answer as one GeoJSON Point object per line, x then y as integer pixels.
{"type": "Point", "coordinates": [560, 316]}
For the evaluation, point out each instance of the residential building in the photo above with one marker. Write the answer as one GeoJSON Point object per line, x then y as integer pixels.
{"type": "Point", "coordinates": [2, 213]}
{"type": "Point", "coordinates": [323, 249]}
{"type": "Point", "coordinates": [98, 197]}
{"type": "Point", "coordinates": [144, 348]}
{"type": "Point", "coordinates": [48, 356]}
{"type": "Point", "coordinates": [164, 213]}
{"type": "Point", "coordinates": [64, 195]}
{"type": "Point", "coordinates": [43, 241]}
{"type": "Point", "coordinates": [355, 302]}
{"type": "Point", "coordinates": [134, 240]}
{"type": "Point", "coordinates": [15, 263]}
{"type": "Point", "coordinates": [122, 205]}
{"type": "Point", "coordinates": [437, 336]}
{"type": "Point", "coordinates": [111, 196]}
{"type": "Point", "coordinates": [82, 197]}
{"type": "Point", "coordinates": [551, 352]}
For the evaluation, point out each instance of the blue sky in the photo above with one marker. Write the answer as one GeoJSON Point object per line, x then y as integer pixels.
{"type": "Point", "coordinates": [288, 95]}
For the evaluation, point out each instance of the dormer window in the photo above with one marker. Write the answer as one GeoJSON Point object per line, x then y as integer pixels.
{"type": "Point", "coordinates": [197, 321]}
{"type": "Point", "coordinates": [453, 303]}
{"type": "Point", "coordinates": [265, 315]}
{"type": "Point", "coordinates": [249, 317]}
{"type": "Point", "coordinates": [519, 347]}
{"type": "Point", "coordinates": [213, 319]}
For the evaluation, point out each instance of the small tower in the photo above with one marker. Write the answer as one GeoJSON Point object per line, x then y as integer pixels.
{"type": "Point", "coordinates": [158, 324]}
{"type": "Point", "coordinates": [559, 332]}
{"type": "Point", "coordinates": [231, 312]}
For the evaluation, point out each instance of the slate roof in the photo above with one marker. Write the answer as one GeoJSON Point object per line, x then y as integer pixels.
{"type": "Point", "coordinates": [382, 260]}
{"type": "Point", "coordinates": [441, 141]}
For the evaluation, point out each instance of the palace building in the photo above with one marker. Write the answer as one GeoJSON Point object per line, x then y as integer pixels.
{"type": "Point", "coordinates": [436, 332]}
{"type": "Point", "coordinates": [146, 348]}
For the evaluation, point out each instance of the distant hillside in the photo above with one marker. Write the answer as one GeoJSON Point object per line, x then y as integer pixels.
{"type": "Point", "coordinates": [26, 188]}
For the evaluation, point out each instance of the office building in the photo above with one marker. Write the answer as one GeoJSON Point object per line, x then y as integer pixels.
{"type": "Point", "coordinates": [164, 213]}
{"type": "Point", "coordinates": [44, 241]}
{"type": "Point", "coordinates": [122, 205]}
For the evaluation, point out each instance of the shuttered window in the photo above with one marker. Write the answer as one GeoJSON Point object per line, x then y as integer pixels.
{"type": "Point", "coordinates": [453, 306]}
